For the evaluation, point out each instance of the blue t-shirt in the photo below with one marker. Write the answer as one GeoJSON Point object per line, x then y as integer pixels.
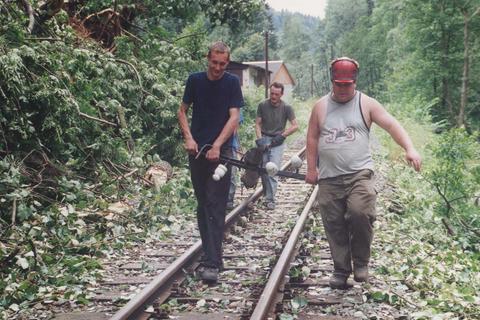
{"type": "Point", "coordinates": [212, 101]}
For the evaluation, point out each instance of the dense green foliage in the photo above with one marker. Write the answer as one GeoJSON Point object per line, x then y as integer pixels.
{"type": "Point", "coordinates": [87, 107]}
{"type": "Point", "coordinates": [455, 176]}
{"type": "Point", "coordinates": [422, 51]}
{"type": "Point", "coordinates": [430, 268]}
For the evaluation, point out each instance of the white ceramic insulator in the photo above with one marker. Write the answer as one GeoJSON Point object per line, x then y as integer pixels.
{"type": "Point", "coordinates": [296, 162]}
{"type": "Point", "coordinates": [271, 168]}
{"type": "Point", "coordinates": [220, 172]}
{"type": "Point", "coordinates": [215, 177]}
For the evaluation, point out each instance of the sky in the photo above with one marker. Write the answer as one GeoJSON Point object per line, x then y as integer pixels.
{"type": "Point", "coordinates": [314, 8]}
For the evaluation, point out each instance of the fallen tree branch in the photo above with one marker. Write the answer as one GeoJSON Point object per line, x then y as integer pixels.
{"type": "Point", "coordinates": [108, 10]}
{"type": "Point", "coordinates": [447, 226]}
{"type": "Point", "coordinates": [468, 227]}
{"type": "Point", "coordinates": [44, 39]}
{"type": "Point", "coordinates": [31, 19]}
{"type": "Point", "coordinates": [134, 70]}
{"type": "Point", "coordinates": [14, 211]}
{"type": "Point", "coordinates": [189, 35]}
{"type": "Point", "coordinates": [6, 260]}
{"type": "Point", "coordinates": [86, 116]}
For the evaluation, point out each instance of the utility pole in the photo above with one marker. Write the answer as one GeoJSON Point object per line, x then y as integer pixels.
{"type": "Point", "coordinates": [267, 74]}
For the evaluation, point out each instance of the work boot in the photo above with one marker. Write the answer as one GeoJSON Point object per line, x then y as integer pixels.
{"type": "Point", "coordinates": [339, 281]}
{"type": "Point", "coordinates": [271, 206]}
{"type": "Point", "coordinates": [209, 274]}
{"type": "Point", "coordinates": [360, 274]}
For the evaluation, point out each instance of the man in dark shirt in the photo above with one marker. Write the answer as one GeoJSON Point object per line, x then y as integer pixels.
{"type": "Point", "coordinates": [216, 99]}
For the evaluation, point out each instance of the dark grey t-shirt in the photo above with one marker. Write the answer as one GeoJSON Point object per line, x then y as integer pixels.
{"type": "Point", "coordinates": [274, 118]}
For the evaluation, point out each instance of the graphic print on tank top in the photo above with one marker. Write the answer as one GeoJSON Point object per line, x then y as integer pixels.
{"type": "Point", "coordinates": [336, 135]}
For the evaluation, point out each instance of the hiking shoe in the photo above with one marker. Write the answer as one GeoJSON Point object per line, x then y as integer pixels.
{"type": "Point", "coordinates": [230, 205]}
{"type": "Point", "coordinates": [338, 281]}
{"type": "Point", "coordinates": [360, 274]}
{"type": "Point", "coordinates": [209, 274]}
{"type": "Point", "coordinates": [271, 206]}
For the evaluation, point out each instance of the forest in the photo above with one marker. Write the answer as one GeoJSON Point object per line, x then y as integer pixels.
{"type": "Point", "coordinates": [89, 92]}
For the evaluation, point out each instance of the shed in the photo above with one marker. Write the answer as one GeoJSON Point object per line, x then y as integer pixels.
{"type": "Point", "coordinates": [278, 73]}
{"type": "Point", "coordinates": [249, 75]}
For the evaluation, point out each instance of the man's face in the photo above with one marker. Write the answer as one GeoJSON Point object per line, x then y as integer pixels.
{"type": "Point", "coordinates": [275, 95]}
{"type": "Point", "coordinates": [217, 63]}
{"type": "Point", "coordinates": [343, 92]}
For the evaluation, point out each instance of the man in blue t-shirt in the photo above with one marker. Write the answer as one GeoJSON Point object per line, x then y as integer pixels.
{"type": "Point", "coordinates": [216, 99]}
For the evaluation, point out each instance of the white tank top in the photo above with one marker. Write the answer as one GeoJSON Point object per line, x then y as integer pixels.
{"type": "Point", "coordinates": [343, 146]}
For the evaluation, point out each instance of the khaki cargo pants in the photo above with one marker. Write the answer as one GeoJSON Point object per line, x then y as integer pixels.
{"type": "Point", "coordinates": [347, 206]}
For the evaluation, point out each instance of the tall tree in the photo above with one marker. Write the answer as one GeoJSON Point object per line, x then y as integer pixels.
{"type": "Point", "coordinates": [466, 10]}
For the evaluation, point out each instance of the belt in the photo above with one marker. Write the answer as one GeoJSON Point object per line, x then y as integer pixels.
{"type": "Point", "coordinates": [268, 135]}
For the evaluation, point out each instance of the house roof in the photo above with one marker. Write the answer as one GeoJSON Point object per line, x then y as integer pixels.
{"type": "Point", "coordinates": [273, 66]}
{"type": "Point", "coordinates": [234, 65]}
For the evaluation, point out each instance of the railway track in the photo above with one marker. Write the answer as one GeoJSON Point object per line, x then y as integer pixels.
{"type": "Point", "coordinates": [277, 263]}
{"type": "Point", "coordinates": [250, 250]}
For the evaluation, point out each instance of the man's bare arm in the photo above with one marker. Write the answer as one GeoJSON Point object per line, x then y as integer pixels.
{"type": "Point", "coordinates": [214, 153]}
{"type": "Point", "coordinates": [386, 121]}
{"type": "Point", "coordinates": [190, 144]}
{"type": "Point", "coordinates": [313, 134]}
{"type": "Point", "coordinates": [258, 127]}
{"type": "Point", "coordinates": [293, 127]}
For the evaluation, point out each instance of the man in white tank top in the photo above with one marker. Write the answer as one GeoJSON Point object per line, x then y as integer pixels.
{"type": "Point", "coordinates": [339, 160]}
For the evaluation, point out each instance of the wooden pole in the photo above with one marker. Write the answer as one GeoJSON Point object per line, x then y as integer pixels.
{"type": "Point", "coordinates": [267, 74]}
{"type": "Point", "coordinates": [311, 80]}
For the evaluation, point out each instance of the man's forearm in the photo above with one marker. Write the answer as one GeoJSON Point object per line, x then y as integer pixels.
{"type": "Point", "coordinates": [400, 136]}
{"type": "Point", "coordinates": [290, 130]}
{"type": "Point", "coordinates": [258, 128]}
{"type": "Point", "coordinates": [227, 131]}
{"type": "Point", "coordinates": [312, 154]}
{"type": "Point", "coordinates": [184, 127]}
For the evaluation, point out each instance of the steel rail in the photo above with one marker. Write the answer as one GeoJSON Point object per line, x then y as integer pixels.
{"type": "Point", "coordinates": [161, 282]}
{"type": "Point", "coordinates": [135, 307]}
{"type": "Point", "coordinates": [263, 306]}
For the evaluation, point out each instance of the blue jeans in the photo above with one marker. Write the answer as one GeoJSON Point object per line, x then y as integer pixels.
{"type": "Point", "coordinates": [233, 179]}
{"type": "Point", "coordinates": [269, 183]}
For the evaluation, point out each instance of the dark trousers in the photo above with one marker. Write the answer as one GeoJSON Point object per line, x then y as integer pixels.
{"type": "Point", "coordinates": [347, 206]}
{"type": "Point", "coordinates": [211, 205]}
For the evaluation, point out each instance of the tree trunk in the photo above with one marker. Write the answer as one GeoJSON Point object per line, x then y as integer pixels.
{"type": "Point", "coordinates": [445, 89]}
{"type": "Point", "coordinates": [466, 64]}
{"type": "Point", "coordinates": [466, 69]}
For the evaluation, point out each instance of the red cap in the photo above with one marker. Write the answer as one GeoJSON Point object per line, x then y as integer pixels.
{"type": "Point", "coordinates": [344, 70]}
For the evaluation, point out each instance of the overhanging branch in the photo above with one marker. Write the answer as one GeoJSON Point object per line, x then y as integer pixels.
{"type": "Point", "coordinates": [31, 19]}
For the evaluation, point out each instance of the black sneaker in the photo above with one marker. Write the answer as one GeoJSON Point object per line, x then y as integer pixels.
{"type": "Point", "coordinates": [209, 274]}
{"type": "Point", "coordinates": [271, 206]}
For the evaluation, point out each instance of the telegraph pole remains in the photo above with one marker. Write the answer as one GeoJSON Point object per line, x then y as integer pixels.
{"type": "Point", "coordinates": [267, 73]}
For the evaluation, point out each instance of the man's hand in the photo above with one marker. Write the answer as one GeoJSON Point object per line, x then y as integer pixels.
{"type": "Point", "coordinates": [414, 159]}
{"type": "Point", "coordinates": [213, 154]}
{"type": "Point", "coordinates": [261, 142]}
{"type": "Point", "coordinates": [312, 176]}
{"type": "Point", "coordinates": [277, 140]}
{"type": "Point", "coordinates": [191, 146]}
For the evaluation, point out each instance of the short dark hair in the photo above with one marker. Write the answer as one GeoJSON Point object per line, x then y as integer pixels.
{"type": "Point", "coordinates": [220, 47]}
{"type": "Point", "coordinates": [277, 85]}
